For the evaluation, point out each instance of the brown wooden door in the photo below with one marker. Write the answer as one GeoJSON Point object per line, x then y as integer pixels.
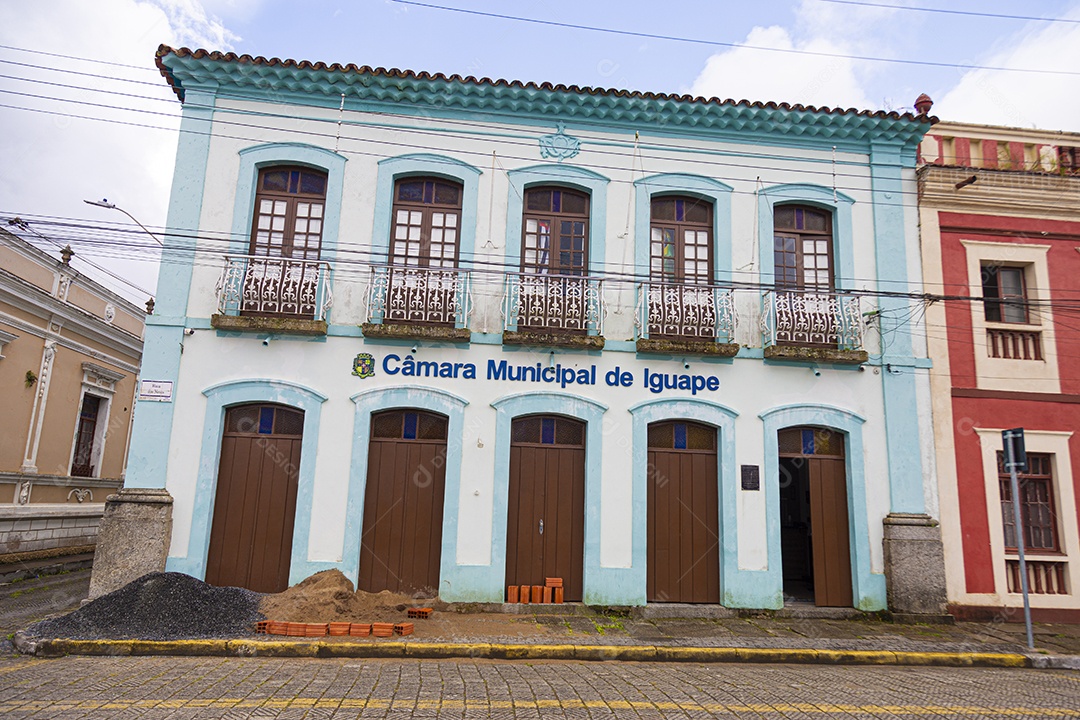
{"type": "Point", "coordinates": [545, 534]}
{"type": "Point", "coordinates": [829, 525]}
{"type": "Point", "coordinates": [401, 541]}
{"type": "Point", "coordinates": [683, 514]}
{"type": "Point", "coordinates": [255, 503]}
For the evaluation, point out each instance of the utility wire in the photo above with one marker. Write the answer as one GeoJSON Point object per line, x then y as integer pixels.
{"type": "Point", "coordinates": [76, 57]}
{"type": "Point", "coordinates": [717, 43]}
{"type": "Point", "coordinates": [968, 13]}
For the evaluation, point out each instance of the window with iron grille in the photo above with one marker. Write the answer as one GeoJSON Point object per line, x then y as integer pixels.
{"type": "Point", "coordinates": [802, 248]}
{"type": "Point", "coordinates": [426, 222]}
{"type": "Point", "coordinates": [1036, 505]}
{"type": "Point", "coordinates": [555, 236]}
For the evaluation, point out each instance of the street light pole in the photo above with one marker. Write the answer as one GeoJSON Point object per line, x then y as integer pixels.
{"type": "Point", "coordinates": [111, 206]}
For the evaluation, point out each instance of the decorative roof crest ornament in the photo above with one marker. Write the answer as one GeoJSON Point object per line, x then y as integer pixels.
{"type": "Point", "coordinates": [559, 145]}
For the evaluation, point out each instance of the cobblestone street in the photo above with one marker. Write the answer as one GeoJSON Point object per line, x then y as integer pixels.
{"type": "Point", "coordinates": [181, 688]}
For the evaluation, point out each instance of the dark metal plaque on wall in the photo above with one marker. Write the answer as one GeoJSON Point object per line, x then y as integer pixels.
{"type": "Point", "coordinates": [751, 477]}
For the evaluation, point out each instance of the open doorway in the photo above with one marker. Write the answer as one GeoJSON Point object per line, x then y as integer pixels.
{"type": "Point", "coordinates": [815, 545]}
{"type": "Point", "coordinates": [796, 539]}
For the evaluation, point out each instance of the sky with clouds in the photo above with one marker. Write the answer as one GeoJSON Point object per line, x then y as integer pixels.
{"type": "Point", "coordinates": [101, 123]}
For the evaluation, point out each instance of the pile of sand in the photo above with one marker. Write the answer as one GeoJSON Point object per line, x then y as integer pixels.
{"type": "Point", "coordinates": [328, 596]}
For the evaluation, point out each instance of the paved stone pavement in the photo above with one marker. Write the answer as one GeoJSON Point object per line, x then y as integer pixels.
{"type": "Point", "coordinates": [26, 601]}
{"type": "Point", "coordinates": [190, 688]}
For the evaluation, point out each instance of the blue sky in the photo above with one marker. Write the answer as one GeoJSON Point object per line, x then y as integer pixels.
{"type": "Point", "coordinates": [61, 150]}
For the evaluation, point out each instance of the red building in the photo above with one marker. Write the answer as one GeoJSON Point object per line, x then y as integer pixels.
{"type": "Point", "coordinates": [1000, 221]}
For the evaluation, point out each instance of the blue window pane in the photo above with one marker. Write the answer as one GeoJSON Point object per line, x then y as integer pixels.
{"type": "Point", "coordinates": [547, 431]}
{"type": "Point", "coordinates": [294, 181]}
{"type": "Point", "coordinates": [680, 436]}
{"type": "Point", "coordinates": [429, 192]}
{"type": "Point", "coordinates": [410, 426]}
{"type": "Point", "coordinates": [266, 421]}
{"type": "Point", "coordinates": [556, 201]}
{"type": "Point", "coordinates": [680, 211]}
{"type": "Point", "coordinates": [808, 442]}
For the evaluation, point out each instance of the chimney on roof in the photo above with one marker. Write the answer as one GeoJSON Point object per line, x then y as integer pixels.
{"type": "Point", "coordinates": [923, 103]}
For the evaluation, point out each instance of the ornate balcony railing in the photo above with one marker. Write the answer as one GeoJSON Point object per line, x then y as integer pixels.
{"type": "Point", "coordinates": [419, 295]}
{"type": "Point", "coordinates": [694, 312]}
{"type": "Point", "coordinates": [1014, 344]}
{"type": "Point", "coordinates": [819, 319]}
{"type": "Point", "coordinates": [555, 303]}
{"type": "Point", "coordinates": [274, 286]}
{"type": "Point", "coordinates": [1045, 577]}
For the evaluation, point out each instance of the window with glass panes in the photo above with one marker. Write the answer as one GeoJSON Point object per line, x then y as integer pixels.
{"type": "Point", "coordinates": [1036, 504]}
{"type": "Point", "coordinates": [289, 204]}
{"type": "Point", "coordinates": [1006, 299]}
{"type": "Point", "coordinates": [802, 248]}
{"type": "Point", "coordinates": [427, 223]}
{"type": "Point", "coordinates": [555, 232]}
{"type": "Point", "coordinates": [681, 240]}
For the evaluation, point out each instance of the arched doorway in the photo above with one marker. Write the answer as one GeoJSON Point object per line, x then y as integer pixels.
{"type": "Point", "coordinates": [814, 531]}
{"type": "Point", "coordinates": [255, 502]}
{"type": "Point", "coordinates": [545, 533]}
{"type": "Point", "coordinates": [683, 514]}
{"type": "Point", "coordinates": [401, 541]}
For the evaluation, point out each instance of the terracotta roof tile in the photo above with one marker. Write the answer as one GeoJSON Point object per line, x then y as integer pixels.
{"type": "Point", "coordinates": [199, 54]}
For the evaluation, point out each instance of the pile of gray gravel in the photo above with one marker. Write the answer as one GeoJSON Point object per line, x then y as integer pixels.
{"type": "Point", "coordinates": [158, 606]}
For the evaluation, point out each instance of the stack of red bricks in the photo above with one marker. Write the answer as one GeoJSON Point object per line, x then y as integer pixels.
{"type": "Point", "coordinates": [551, 591]}
{"type": "Point", "coordinates": [341, 629]}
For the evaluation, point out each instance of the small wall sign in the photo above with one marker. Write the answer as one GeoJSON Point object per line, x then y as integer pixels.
{"type": "Point", "coordinates": [156, 390]}
{"type": "Point", "coordinates": [751, 477]}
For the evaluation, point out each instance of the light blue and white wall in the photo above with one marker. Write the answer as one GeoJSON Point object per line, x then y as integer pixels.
{"type": "Point", "coordinates": [877, 406]}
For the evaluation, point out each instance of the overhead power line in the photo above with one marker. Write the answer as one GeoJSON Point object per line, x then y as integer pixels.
{"type": "Point", "coordinates": [944, 11]}
{"type": "Point", "coordinates": [76, 57]}
{"type": "Point", "coordinates": [733, 45]}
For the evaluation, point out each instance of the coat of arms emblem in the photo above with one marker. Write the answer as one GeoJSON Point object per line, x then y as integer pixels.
{"type": "Point", "coordinates": [363, 365]}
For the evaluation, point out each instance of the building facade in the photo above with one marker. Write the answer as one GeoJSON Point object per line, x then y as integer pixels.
{"type": "Point", "coordinates": [449, 335]}
{"type": "Point", "coordinates": [1000, 215]}
{"type": "Point", "coordinates": [69, 358]}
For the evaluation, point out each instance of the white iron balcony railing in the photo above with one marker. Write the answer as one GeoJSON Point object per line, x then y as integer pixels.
{"type": "Point", "coordinates": [274, 286]}
{"type": "Point", "coordinates": [555, 303]}
{"type": "Point", "coordinates": [419, 295]}
{"type": "Point", "coordinates": [812, 318]}
{"type": "Point", "coordinates": [691, 312]}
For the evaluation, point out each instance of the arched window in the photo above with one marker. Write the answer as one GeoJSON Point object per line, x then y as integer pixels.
{"type": "Point", "coordinates": [555, 235]}
{"type": "Point", "coordinates": [288, 218]}
{"type": "Point", "coordinates": [681, 240]}
{"type": "Point", "coordinates": [427, 222]}
{"type": "Point", "coordinates": [802, 247]}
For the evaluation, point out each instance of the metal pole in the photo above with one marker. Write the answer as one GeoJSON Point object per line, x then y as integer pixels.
{"type": "Point", "coordinates": [1020, 549]}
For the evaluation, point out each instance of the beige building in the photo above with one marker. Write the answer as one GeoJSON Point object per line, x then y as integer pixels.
{"type": "Point", "coordinates": [70, 351]}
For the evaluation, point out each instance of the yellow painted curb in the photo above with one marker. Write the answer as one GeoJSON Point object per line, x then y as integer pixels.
{"type": "Point", "coordinates": [633, 653]}
{"type": "Point", "coordinates": [511, 651]}
{"type": "Point", "coordinates": [447, 650]}
{"type": "Point", "coordinates": [272, 648]}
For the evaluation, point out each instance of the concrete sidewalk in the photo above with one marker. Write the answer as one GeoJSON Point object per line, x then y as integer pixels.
{"type": "Point", "coordinates": [580, 633]}
{"type": "Point", "coordinates": [797, 634]}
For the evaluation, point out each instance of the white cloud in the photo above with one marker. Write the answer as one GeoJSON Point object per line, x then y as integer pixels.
{"type": "Point", "coordinates": [193, 27]}
{"type": "Point", "coordinates": [748, 73]}
{"type": "Point", "coordinates": [1049, 102]}
{"type": "Point", "coordinates": [69, 151]}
